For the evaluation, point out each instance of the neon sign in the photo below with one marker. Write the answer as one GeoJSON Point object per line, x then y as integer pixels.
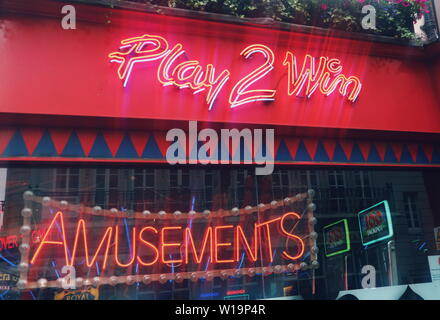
{"type": "Point", "coordinates": [234, 292]}
{"type": "Point", "coordinates": [175, 69]}
{"type": "Point", "coordinates": [375, 223]}
{"type": "Point", "coordinates": [107, 246]}
{"type": "Point", "coordinates": [312, 77]}
{"type": "Point", "coordinates": [336, 238]}
{"type": "Point", "coordinates": [159, 241]}
{"type": "Point", "coordinates": [187, 74]}
{"type": "Point", "coordinates": [260, 72]}
{"type": "Point", "coordinates": [12, 241]}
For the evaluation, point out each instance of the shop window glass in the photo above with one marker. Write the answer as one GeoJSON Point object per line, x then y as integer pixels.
{"type": "Point", "coordinates": [410, 205]}
{"type": "Point", "coordinates": [280, 180]}
{"type": "Point", "coordinates": [66, 179]}
{"type": "Point", "coordinates": [362, 189]}
{"type": "Point", "coordinates": [337, 196]}
{"type": "Point", "coordinates": [143, 181]}
{"type": "Point", "coordinates": [341, 195]}
{"type": "Point", "coordinates": [209, 187]}
{"type": "Point", "coordinates": [309, 179]}
{"type": "Point", "coordinates": [178, 195]}
{"type": "Point", "coordinates": [107, 194]}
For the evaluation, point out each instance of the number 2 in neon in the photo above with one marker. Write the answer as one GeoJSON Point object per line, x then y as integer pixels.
{"type": "Point", "coordinates": [240, 89]}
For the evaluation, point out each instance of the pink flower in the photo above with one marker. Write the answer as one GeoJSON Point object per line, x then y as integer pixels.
{"type": "Point", "coordinates": [324, 6]}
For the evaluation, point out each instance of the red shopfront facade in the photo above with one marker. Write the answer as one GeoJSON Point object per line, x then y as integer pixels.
{"type": "Point", "coordinates": [103, 96]}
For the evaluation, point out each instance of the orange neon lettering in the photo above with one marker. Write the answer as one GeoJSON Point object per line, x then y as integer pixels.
{"type": "Point", "coordinates": [107, 235]}
{"type": "Point", "coordinates": [201, 77]}
{"type": "Point", "coordinates": [194, 79]}
{"type": "Point", "coordinates": [314, 78]}
{"type": "Point", "coordinates": [43, 242]}
{"type": "Point", "coordinates": [209, 244]}
{"type": "Point", "coordinates": [149, 245]}
{"type": "Point", "coordinates": [184, 67]}
{"type": "Point", "coordinates": [136, 45]}
{"type": "Point", "coordinates": [240, 89]}
{"type": "Point", "coordinates": [343, 83]}
{"type": "Point", "coordinates": [172, 244]}
{"type": "Point", "coordinates": [163, 71]}
{"type": "Point", "coordinates": [215, 84]}
{"type": "Point", "coordinates": [190, 74]}
{"type": "Point", "coordinates": [221, 244]}
{"type": "Point", "coordinates": [190, 241]}
{"type": "Point", "coordinates": [133, 253]}
{"type": "Point", "coordinates": [239, 234]}
{"type": "Point", "coordinates": [300, 242]}
{"type": "Point", "coordinates": [309, 76]}
{"type": "Point", "coordinates": [334, 67]}
{"type": "Point", "coordinates": [269, 240]}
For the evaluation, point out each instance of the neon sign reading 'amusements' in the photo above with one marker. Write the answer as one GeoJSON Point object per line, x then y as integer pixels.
{"type": "Point", "coordinates": [321, 73]}
{"type": "Point", "coordinates": [159, 241]}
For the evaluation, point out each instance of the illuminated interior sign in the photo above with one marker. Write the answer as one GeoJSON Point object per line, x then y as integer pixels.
{"type": "Point", "coordinates": [8, 242]}
{"type": "Point", "coordinates": [12, 241]}
{"type": "Point", "coordinates": [176, 69]}
{"type": "Point", "coordinates": [234, 292]}
{"type": "Point", "coordinates": [375, 223]}
{"type": "Point", "coordinates": [106, 246]}
{"type": "Point", "coordinates": [336, 238]}
{"type": "Point", "coordinates": [176, 244]}
{"type": "Point", "coordinates": [87, 294]}
{"type": "Point", "coordinates": [7, 280]}
{"type": "Point", "coordinates": [209, 294]}
{"type": "Point", "coordinates": [287, 291]}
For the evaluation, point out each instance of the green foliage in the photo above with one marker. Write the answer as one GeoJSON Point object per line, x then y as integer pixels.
{"type": "Point", "coordinates": [392, 19]}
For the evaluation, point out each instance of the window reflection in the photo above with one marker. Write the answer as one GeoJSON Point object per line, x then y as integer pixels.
{"type": "Point", "coordinates": [339, 194]}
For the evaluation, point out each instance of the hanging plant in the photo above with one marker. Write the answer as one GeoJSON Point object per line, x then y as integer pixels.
{"type": "Point", "coordinates": [393, 17]}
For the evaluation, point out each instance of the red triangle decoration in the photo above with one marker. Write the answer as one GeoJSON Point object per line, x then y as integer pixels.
{"type": "Point", "coordinates": [113, 139]}
{"type": "Point", "coordinates": [397, 148]}
{"type": "Point", "coordinates": [31, 137]}
{"type": "Point", "coordinates": [347, 146]}
{"type": "Point", "coordinates": [277, 142]}
{"type": "Point", "coordinates": [329, 146]}
{"type": "Point", "coordinates": [60, 136]}
{"type": "Point", "coordinates": [311, 146]}
{"type": "Point", "coordinates": [365, 149]}
{"type": "Point", "coordinates": [162, 143]}
{"type": "Point", "coordinates": [428, 149]}
{"type": "Point", "coordinates": [381, 148]}
{"type": "Point", "coordinates": [139, 140]}
{"type": "Point", "coordinates": [292, 145]}
{"type": "Point", "coordinates": [5, 136]}
{"type": "Point", "coordinates": [87, 138]}
{"type": "Point", "coordinates": [413, 148]}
